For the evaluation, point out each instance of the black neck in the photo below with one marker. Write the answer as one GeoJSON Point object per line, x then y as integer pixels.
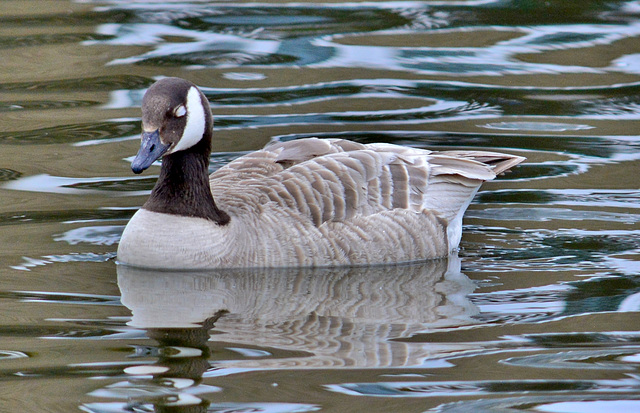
{"type": "Point", "coordinates": [183, 186]}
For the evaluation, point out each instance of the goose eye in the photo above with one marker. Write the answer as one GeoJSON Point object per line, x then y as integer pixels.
{"type": "Point", "coordinates": [180, 111]}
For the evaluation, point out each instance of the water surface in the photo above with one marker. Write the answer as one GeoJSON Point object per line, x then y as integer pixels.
{"type": "Point", "coordinates": [538, 312]}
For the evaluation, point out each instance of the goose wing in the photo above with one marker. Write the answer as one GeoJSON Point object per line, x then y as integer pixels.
{"type": "Point", "coordinates": [335, 180]}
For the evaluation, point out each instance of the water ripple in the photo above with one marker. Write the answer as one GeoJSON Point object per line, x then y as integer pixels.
{"type": "Point", "coordinates": [29, 262]}
{"type": "Point", "coordinates": [129, 186]}
{"type": "Point", "coordinates": [583, 359]}
{"type": "Point", "coordinates": [70, 133]}
{"type": "Point", "coordinates": [276, 36]}
{"type": "Point", "coordinates": [549, 403]}
{"type": "Point", "coordinates": [551, 249]}
{"type": "Point", "coordinates": [475, 388]}
{"type": "Point", "coordinates": [100, 83]}
{"type": "Point", "coordinates": [601, 198]}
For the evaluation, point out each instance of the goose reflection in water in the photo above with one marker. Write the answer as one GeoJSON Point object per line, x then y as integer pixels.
{"type": "Point", "coordinates": [311, 318]}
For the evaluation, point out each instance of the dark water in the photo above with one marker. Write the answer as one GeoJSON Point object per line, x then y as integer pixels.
{"type": "Point", "coordinates": [539, 313]}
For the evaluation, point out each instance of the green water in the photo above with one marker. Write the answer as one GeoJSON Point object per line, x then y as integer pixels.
{"type": "Point", "coordinates": [539, 313]}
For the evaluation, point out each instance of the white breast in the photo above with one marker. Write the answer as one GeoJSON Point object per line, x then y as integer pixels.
{"type": "Point", "coordinates": [156, 240]}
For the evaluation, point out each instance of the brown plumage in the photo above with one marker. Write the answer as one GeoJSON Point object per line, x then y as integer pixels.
{"type": "Point", "coordinates": [309, 202]}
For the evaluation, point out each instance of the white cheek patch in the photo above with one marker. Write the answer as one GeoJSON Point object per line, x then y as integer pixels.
{"type": "Point", "coordinates": [194, 129]}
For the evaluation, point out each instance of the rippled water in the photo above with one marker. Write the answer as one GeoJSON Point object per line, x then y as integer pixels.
{"type": "Point", "coordinates": [539, 312]}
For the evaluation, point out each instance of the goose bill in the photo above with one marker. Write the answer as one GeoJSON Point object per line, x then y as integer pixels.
{"type": "Point", "coordinates": [151, 149]}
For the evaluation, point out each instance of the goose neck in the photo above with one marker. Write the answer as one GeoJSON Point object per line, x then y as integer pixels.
{"type": "Point", "coordinates": [183, 187]}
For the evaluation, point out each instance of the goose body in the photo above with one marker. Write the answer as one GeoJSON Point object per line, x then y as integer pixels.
{"type": "Point", "coordinates": [309, 202]}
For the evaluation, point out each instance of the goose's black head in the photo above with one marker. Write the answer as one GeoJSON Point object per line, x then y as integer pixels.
{"type": "Point", "coordinates": [175, 117]}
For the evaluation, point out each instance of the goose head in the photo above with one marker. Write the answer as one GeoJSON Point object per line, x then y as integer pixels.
{"type": "Point", "coordinates": [175, 118]}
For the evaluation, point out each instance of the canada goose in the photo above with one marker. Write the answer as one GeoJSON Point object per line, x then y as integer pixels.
{"type": "Point", "coordinates": [307, 202]}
